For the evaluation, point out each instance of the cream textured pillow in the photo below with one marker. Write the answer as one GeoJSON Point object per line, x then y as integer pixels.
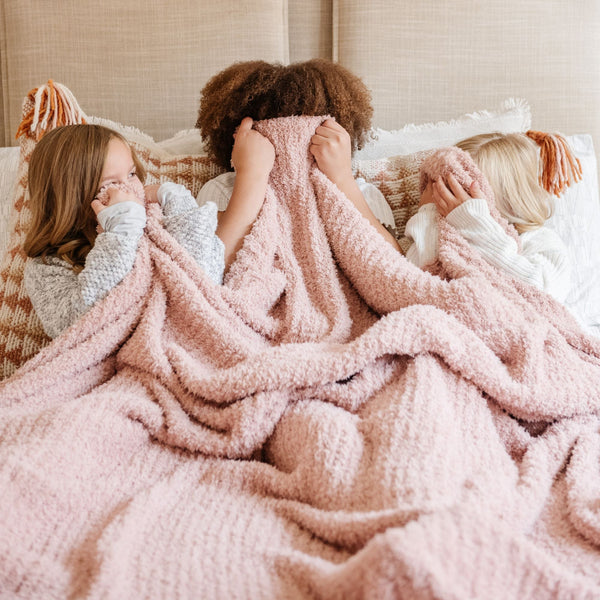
{"type": "Point", "coordinates": [9, 163]}
{"type": "Point", "coordinates": [21, 333]}
{"type": "Point", "coordinates": [512, 116]}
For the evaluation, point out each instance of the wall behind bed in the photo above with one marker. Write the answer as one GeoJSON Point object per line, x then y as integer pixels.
{"type": "Point", "coordinates": [144, 63]}
{"type": "Point", "coordinates": [435, 60]}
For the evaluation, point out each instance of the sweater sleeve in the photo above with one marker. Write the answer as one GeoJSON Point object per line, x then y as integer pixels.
{"type": "Point", "coordinates": [543, 261]}
{"type": "Point", "coordinates": [60, 296]}
{"type": "Point", "coordinates": [193, 227]}
{"type": "Point", "coordinates": [422, 229]}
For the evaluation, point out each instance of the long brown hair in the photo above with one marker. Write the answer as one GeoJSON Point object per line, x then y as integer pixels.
{"type": "Point", "coordinates": [263, 90]}
{"type": "Point", "coordinates": [64, 175]}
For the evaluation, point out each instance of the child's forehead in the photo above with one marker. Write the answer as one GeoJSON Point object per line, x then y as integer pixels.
{"type": "Point", "coordinates": [118, 153]}
{"type": "Point", "coordinates": [118, 146]}
{"type": "Point", "coordinates": [118, 161]}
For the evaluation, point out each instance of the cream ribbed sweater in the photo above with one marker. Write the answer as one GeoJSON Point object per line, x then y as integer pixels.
{"type": "Point", "coordinates": [543, 260]}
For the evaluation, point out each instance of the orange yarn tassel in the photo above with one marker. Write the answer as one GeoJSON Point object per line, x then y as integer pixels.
{"type": "Point", "coordinates": [47, 107]}
{"type": "Point", "coordinates": [560, 168]}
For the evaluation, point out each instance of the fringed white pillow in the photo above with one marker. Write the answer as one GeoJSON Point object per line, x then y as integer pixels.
{"type": "Point", "coordinates": [513, 115]}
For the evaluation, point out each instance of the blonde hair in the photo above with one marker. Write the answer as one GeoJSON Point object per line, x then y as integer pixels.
{"type": "Point", "coordinates": [511, 164]}
{"type": "Point", "coordinates": [64, 175]}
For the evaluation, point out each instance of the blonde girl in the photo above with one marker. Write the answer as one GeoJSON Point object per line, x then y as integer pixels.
{"type": "Point", "coordinates": [511, 163]}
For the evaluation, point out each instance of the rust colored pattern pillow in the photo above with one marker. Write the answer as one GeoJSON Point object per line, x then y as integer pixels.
{"type": "Point", "coordinates": [21, 333]}
{"type": "Point", "coordinates": [398, 179]}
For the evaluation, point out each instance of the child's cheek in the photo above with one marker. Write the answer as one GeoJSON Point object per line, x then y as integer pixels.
{"type": "Point", "coordinates": [134, 187]}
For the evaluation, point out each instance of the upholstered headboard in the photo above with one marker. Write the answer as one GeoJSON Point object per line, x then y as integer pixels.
{"type": "Point", "coordinates": [434, 60]}
{"type": "Point", "coordinates": [139, 62]}
{"type": "Point", "coordinates": [144, 63]}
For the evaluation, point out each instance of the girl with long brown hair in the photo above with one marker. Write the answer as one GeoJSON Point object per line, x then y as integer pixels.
{"type": "Point", "coordinates": [87, 201]}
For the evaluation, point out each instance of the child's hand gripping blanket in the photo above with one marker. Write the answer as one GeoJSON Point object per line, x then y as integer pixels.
{"type": "Point", "coordinates": [332, 422]}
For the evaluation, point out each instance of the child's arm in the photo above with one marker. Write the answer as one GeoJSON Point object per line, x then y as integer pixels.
{"type": "Point", "coordinates": [59, 295]}
{"type": "Point", "coordinates": [252, 157]}
{"type": "Point", "coordinates": [332, 149]}
{"type": "Point", "coordinates": [543, 261]}
{"type": "Point", "coordinates": [191, 225]}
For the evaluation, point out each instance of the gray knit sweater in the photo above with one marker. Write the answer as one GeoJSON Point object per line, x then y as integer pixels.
{"type": "Point", "coordinates": [60, 296]}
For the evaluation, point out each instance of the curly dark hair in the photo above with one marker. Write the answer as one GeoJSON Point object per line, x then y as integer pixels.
{"type": "Point", "coordinates": [263, 90]}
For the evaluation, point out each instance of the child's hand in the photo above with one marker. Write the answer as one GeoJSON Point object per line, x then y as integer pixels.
{"type": "Point", "coordinates": [447, 196]}
{"type": "Point", "coordinates": [332, 148]}
{"type": "Point", "coordinates": [115, 195]}
{"type": "Point", "coordinates": [252, 154]}
{"type": "Point", "coordinates": [150, 192]}
{"type": "Point", "coordinates": [427, 195]}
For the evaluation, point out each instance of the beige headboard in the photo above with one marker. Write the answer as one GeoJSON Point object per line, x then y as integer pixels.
{"type": "Point", "coordinates": [437, 59]}
{"type": "Point", "coordinates": [144, 63]}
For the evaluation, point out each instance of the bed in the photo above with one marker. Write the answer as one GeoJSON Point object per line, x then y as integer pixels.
{"type": "Point", "coordinates": [342, 427]}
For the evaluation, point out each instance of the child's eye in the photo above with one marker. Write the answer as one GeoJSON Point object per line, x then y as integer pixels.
{"type": "Point", "coordinates": [106, 183]}
{"type": "Point", "coordinates": [132, 173]}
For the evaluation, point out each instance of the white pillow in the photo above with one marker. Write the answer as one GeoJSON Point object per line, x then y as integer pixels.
{"type": "Point", "coordinates": [186, 141]}
{"type": "Point", "coordinates": [576, 219]}
{"type": "Point", "coordinates": [513, 115]}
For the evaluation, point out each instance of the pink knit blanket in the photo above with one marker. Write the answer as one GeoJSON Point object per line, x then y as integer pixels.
{"type": "Point", "coordinates": [332, 422]}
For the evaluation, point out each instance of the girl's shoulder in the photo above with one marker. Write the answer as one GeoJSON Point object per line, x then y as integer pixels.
{"type": "Point", "coordinates": [40, 273]}
{"type": "Point", "coordinates": [40, 269]}
{"type": "Point", "coordinates": [49, 262]}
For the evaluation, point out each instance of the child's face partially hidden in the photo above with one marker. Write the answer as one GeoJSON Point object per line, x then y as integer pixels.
{"type": "Point", "coordinates": [119, 170]}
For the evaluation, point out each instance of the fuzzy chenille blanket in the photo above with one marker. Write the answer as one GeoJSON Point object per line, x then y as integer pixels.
{"type": "Point", "coordinates": [332, 422]}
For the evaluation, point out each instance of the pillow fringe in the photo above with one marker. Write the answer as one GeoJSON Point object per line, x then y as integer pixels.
{"type": "Point", "coordinates": [559, 167]}
{"type": "Point", "coordinates": [46, 107]}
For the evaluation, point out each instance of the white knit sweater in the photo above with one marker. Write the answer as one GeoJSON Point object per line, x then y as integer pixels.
{"type": "Point", "coordinates": [543, 260]}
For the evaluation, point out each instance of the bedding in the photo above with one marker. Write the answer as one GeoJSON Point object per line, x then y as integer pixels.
{"type": "Point", "coordinates": [513, 115]}
{"type": "Point", "coordinates": [332, 422]}
{"type": "Point", "coordinates": [451, 479]}
{"type": "Point", "coordinates": [181, 159]}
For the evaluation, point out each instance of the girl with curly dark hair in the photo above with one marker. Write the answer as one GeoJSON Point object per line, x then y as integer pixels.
{"type": "Point", "coordinates": [257, 90]}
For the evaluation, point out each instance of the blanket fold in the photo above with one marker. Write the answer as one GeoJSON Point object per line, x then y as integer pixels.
{"type": "Point", "coordinates": [331, 422]}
